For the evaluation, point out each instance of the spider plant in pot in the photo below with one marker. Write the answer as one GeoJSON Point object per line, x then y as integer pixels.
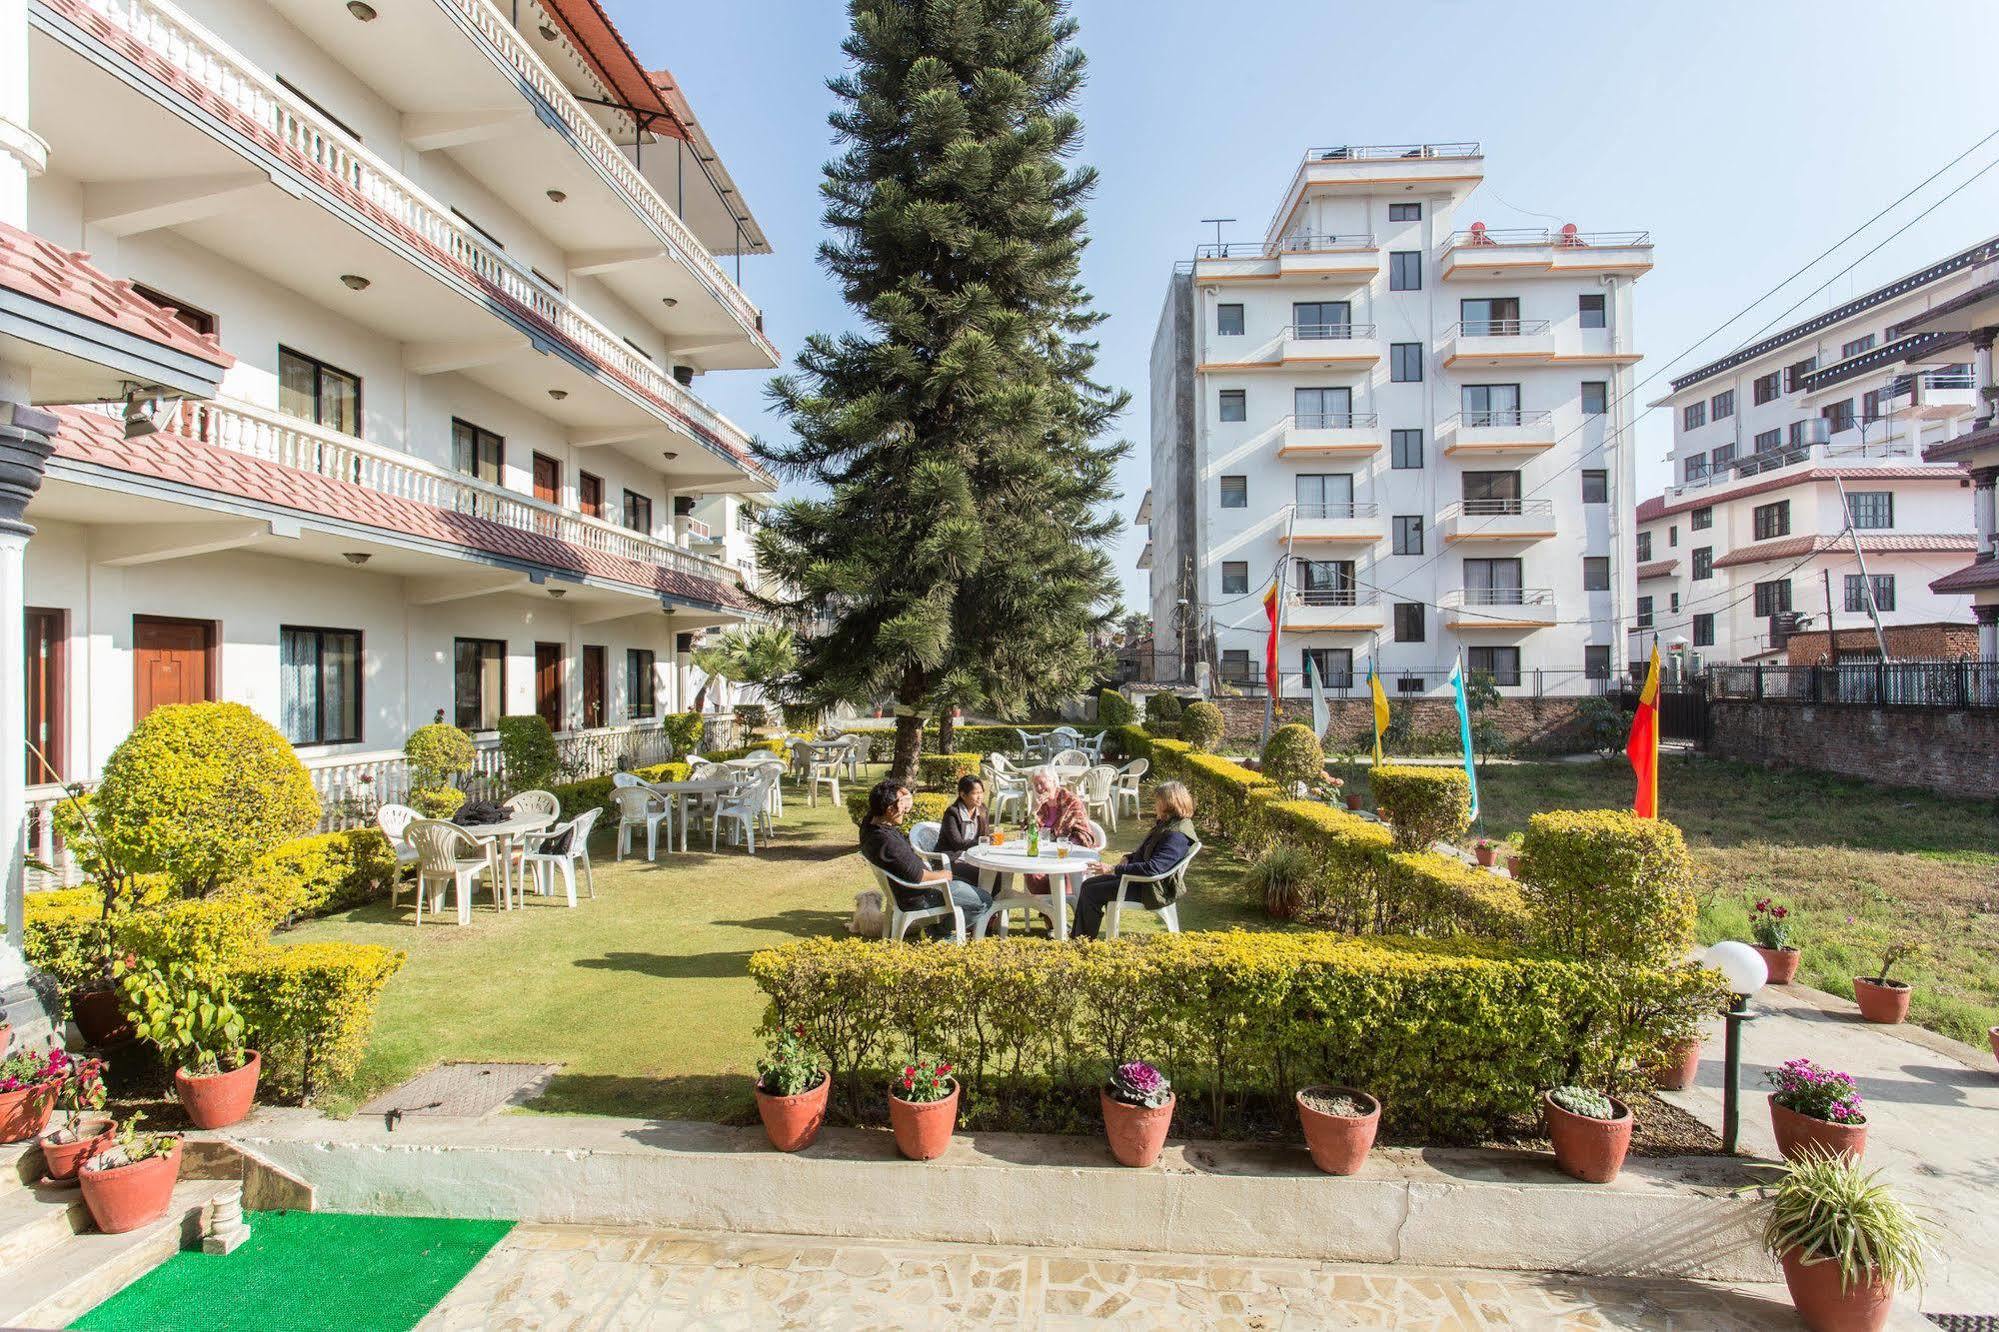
{"type": "Point", "coordinates": [1138, 1109]}
{"type": "Point", "coordinates": [83, 1127]}
{"type": "Point", "coordinates": [129, 1181]}
{"type": "Point", "coordinates": [792, 1088]}
{"type": "Point", "coordinates": [1771, 929]}
{"type": "Point", "coordinates": [191, 1016]}
{"type": "Point", "coordinates": [1881, 999]}
{"type": "Point", "coordinates": [1280, 878]}
{"type": "Point", "coordinates": [1816, 1110]}
{"type": "Point", "coordinates": [1590, 1131]}
{"type": "Point", "coordinates": [923, 1108]}
{"type": "Point", "coordinates": [29, 1081]}
{"type": "Point", "coordinates": [1845, 1242]}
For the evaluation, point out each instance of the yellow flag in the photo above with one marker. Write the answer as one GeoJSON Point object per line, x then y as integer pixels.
{"type": "Point", "coordinates": [1380, 706]}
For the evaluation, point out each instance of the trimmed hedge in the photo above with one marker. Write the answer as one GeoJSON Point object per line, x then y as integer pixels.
{"type": "Point", "coordinates": [1456, 1036]}
{"type": "Point", "coordinates": [925, 806]}
{"type": "Point", "coordinates": [332, 871]}
{"type": "Point", "coordinates": [1294, 755]}
{"type": "Point", "coordinates": [1606, 883]}
{"type": "Point", "coordinates": [310, 1008]}
{"type": "Point", "coordinates": [1129, 742]}
{"type": "Point", "coordinates": [1114, 709]}
{"type": "Point", "coordinates": [1222, 790]}
{"type": "Point", "coordinates": [595, 792]}
{"type": "Point", "coordinates": [528, 758]}
{"type": "Point", "coordinates": [942, 771]}
{"type": "Point", "coordinates": [1203, 726]}
{"type": "Point", "coordinates": [1425, 805]}
{"type": "Point", "coordinates": [63, 934]}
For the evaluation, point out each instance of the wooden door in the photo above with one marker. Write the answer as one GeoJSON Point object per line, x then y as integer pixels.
{"type": "Point", "coordinates": [593, 685]}
{"type": "Point", "coordinates": [48, 693]}
{"type": "Point", "coordinates": [173, 661]}
{"type": "Point", "coordinates": [547, 479]}
{"type": "Point", "coordinates": [548, 683]}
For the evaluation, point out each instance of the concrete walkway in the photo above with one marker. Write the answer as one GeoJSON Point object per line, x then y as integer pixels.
{"type": "Point", "coordinates": [1933, 1122]}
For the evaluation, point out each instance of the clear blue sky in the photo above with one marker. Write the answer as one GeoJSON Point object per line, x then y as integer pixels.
{"type": "Point", "coordinates": [1746, 137]}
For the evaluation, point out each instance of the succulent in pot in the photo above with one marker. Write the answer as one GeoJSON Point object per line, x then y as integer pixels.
{"type": "Point", "coordinates": [1815, 1109]}
{"type": "Point", "coordinates": [1845, 1242]}
{"type": "Point", "coordinates": [1138, 1110]}
{"type": "Point", "coordinates": [29, 1081]}
{"type": "Point", "coordinates": [83, 1127]}
{"type": "Point", "coordinates": [792, 1090]}
{"type": "Point", "coordinates": [129, 1181]}
{"type": "Point", "coordinates": [190, 1014]}
{"type": "Point", "coordinates": [1590, 1131]}
{"type": "Point", "coordinates": [923, 1108]}
{"type": "Point", "coordinates": [1772, 929]}
{"type": "Point", "coordinates": [1881, 998]}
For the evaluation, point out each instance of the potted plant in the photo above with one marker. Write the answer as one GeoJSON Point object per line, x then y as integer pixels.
{"type": "Point", "coordinates": [82, 1130]}
{"type": "Point", "coordinates": [1679, 1059]}
{"type": "Point", "coordinates": [792, 1088]}
{"type": "Point", "coordinates": [129, 1181]}
{"type": "Point", "coordinates": [1487, 851]}
{"type": "Point", "coordinates": [1515, 862]}
{"type": "Point", "coordinates": [191, 1017]}
{"type": "Point", "coordinates": [1881, 999]}
{"type": "Point", "coordinates": [1770, 925]}
{"type": "Point", "coordinates": [1845, 1243]}
{"type": "Point", "coordinates": [1339, 1124]}
{"type": "Point", "coordinates": [1591, 1132]}
{"type": "Point", "coordinates": [28, 1083]}
{"type": "Point", "coordinates": [1138, 1109]}
{"type": "Point", "coordinates": [1815, 1108]}
{"type": "Point", "coordinates": [923, 1108]}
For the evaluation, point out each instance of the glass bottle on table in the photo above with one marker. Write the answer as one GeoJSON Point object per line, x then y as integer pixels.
{"type": "Point", "coordinates": [1034, 838]}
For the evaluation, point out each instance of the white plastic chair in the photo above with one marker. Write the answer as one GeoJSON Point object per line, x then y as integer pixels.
{"type": "Point", "coordinates": [746, 806]}
{"type": "Point", "coordinates": [824, 771]}
{"type": "Point", "coordinates": [1099, 794]}
{"type": "Point", "coordinates": [923, 836]}
{"type": "Point", "coordinates": [544, 864]}
{"type": "Point", "coordinates": [1069, 757]}
{"type": "Point", "coordinates": [1093, 745]}
{"type": "Point", "coordinates": [1170, 913]}
{"type": "Point", "coordinates": [544, 803]}
{"type": "Point", "coordinates": [1127, 783]}
{"type": "Point", "coordinates": [394, 821]}
{"type": "Point", "coordinates": [439, 862]}
{"type": "Point", "coordinates": [896, 921]}
{"type": "Point", "coordinates": [1007, 785]}
{"type": "Point", "coordinates": [1030, 745]}
{"type": "Point", "coordinates": [638, 807]}
{"type": "Point", "coordinates": [764, 760]}
{"type": "Point", "coordinates": [852, 757]}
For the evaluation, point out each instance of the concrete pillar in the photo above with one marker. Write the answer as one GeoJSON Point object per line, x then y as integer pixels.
{"type": "Point", "coordinates": [683, 512]}
{"type": "Point", "coordinates": [1988, 630]}
{"type": "Point", "coordinates": [1981, 373]}
{"type": "Point", "coordinates": [1984, 514]}
{"type": "Point", "coordinates": [24, 450]}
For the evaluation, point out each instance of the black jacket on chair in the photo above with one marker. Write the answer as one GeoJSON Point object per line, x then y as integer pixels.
{"type": "Point", "coordinates": [887, 847]}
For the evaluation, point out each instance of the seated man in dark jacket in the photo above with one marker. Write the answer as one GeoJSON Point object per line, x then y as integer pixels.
{"type": "Point", "coordinates": [885, 846]}
{"type": "Point", "coordinates": [1165, 845]}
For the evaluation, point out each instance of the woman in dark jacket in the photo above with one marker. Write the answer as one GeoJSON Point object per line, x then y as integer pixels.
{"type": "Point", "coordinates": [1165, 845]}
{"type": "Point", "coordinates": [965, 825]}
{"type": "Point", "coordinates": [885, 846]}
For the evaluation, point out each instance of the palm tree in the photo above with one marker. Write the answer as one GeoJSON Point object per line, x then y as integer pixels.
{"type": "Point", "coordinates": [762, 655]}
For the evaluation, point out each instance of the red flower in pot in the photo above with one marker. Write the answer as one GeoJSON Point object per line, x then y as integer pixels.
{"type": "Point", "coordinates": [923, 1109]}
{"type": "Point", "coordinates": [29, 1082]}
{"type": "Point", "coordinates": [1770, 927]}
{"type": "Point", "coordinates": [82, 1130]}
{"type": "Point", "coordinates": [1816, 1110]}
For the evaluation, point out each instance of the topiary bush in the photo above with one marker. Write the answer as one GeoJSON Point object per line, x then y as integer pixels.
{"type": "Point", "coordinates": [198, 791]}
{"type": "Point", "coordinates": [682, 731]}
{"type": "Point", "coordinates": [752, 717]}
{"type": "Point", "coordinates": [1114, 709]}
{"type": "Point", "coordinates": [438, 755]}
{"type": "Point", "coordinates": [528, 758]}
{"type": "Point", "coordinates": [1294, 755]}
{"type": "Point", "coordinates": [1202, 726]}
{"type": "Point", "coordinates": [1606, 883]}
{"type": "Point", "coordinates": [332, 871]}
{"type": "Point", "coordinates": [1425, 805]}
{"type": "Point", "coordinates": [1163, 708]}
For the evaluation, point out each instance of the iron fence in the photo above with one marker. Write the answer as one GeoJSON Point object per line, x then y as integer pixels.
{"type": "Point", "coordinates": [1893, 684]}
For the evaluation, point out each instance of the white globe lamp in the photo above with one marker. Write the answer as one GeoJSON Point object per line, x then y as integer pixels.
{"type": "Point", "coordinates": [1745, 972]}
{"type": "Point", "coordinates": [1740, 965]}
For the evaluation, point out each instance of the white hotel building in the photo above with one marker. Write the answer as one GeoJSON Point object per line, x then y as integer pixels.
{"type": "Point", "coordinates": [466, 264]}
{"type": "Point", "coordinates": [1751, 537]}
{"type": "Point", "coordinates": [1419, 423]}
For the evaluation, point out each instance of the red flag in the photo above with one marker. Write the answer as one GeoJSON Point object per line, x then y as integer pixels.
{"type": "Point", "coordinates": [1270, 604]}
{"type": "Point", "coordinates": [1643, 747]}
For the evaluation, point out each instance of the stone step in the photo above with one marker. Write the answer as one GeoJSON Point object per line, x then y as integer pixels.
{"type": "Point", "coordinates": [82, 1271]}
{"type": "Point", "coordinates": [33, 1220]}
{"type": "Point", "coordinates": [20, 1166]}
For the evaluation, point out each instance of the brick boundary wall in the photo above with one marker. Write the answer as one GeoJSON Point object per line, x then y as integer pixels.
{"type": "Point", "coordinates": [1548, 725]}
{"type": "Point", "coordinates": [1952, 752]}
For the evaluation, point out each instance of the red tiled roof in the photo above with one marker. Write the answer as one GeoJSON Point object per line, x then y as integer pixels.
{"type": "Point", "coordinates": [1960, 448]}
{"type": "Point", "coordinates": [1879, 543]}
{"type": "Point", "coordinates": [65, 278]}
{"type": "Point", "coordinates": [1656, 569]}
{"type": "Point", "coordinates": [91, 437]}
{"type": "Point", "coordinates": [1971, 578]}
{"type": "Point", "coordinates": [603, 48]}
{"type": "Point", "coordinates": [1657, 507]}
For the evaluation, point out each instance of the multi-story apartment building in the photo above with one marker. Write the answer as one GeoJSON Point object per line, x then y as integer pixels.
{"type": "Point", "coordinates": [470, 261]}
{"type": "Point", "coordinates": [1420, 428]}
{"type": "Point", "coordinates": [1753, 535]}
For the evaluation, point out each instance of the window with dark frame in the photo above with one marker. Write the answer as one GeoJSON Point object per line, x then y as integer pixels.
{"type": "Point", "coordinates": [1236, 664]}
{"type": "Point", "coordinates": [1703, 564]}
{"type": "Point", "coordinates": [1590, 310]}
{"type": "Point", "coordinates": [1334, 666]}
{"type": "Point", "coordinates": [1596, 573]}
{"type": "Point", "coordinates": [1856, 593]}
{"type": "Point", "coordinates": [1596, 485]}
{"type": "Point", "coordinates": [1693, 416]}
{"type": "Point", "coordinates": [479, 682]}
{"type": "Point", "coordinates": [1766, 440]}
{"type": "Point", "coordinates": [638, 511]}
{"type": "Point", "coordinates": [191, 317]}
{"type": "Point", "coordinates": [1408, 621]}
{"type": "Point", "coordinates": [1854, 348]}
{"type": "Point", "coordinates": [1766, 388]}
{"type": "Point", "coordinates": [1772, 520]}
{"type": "Point", "coordinates": [1773, 597]}
{"type": "Point", "coordinates": [1501, 664]}
{"type": "Point", "coordinates": [1721, 406]}
{"type": "Point", "coordinates": [1405, 363]}
{"type": "Point", "coordinates": [1870, 405]}
{"type": "Point", "coordinates": [1228, 320]}
{"type": "Point", "coordinates": [1871, 510]}
{"type": "Point", "coordinates": [1405, 449]}
{"type": "Point", "coordinates": [1838, 415]}
{"type": "Point", "coordinates": [1408, 534]}
{"type": "Point", "coordinates": [1704, 631]}
{"type": "Point", "coordinates": [1674, 602]}
{"type": "Point", "coordinates": [1794, 375]}
{"type": "Point", "coordinates": [319, 685]}
{"type": "Point", "coordinates": [311, 390]}
{"type": "Point", "coordinates": [476, 452]}
{"type": "Point", "coordinates": [1644, 547]}
{"type": "Point", "coordinates": [1720, 458]}
{"type": "Point", "coordinates": [640, 684]}
{"type": "Point", "coordinates": [1701, 519]}
{"type": "Point", "coordinates": [1235, 577]}
{"type": "Point", "coordinates": [1644, 612]}
{"type": "Point", "coordinates": [1596, 397]}
{"type": "Point", "coordinates": [1405, 270]}
{"type": "Point", "coordinates": [1673, 534]}
{"type": "Point", "coordinates": [1235, 492]}
{"type": "Point", "coordinates": [1405, 212]}
{"type": "Point", "coordinates": [1234, 405]}
{"type": "Point", "coordinates": [1596, 661]}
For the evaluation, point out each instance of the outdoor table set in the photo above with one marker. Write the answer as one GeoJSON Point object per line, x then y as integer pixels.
{"type": "Point", "coordinates": [1001, 866]}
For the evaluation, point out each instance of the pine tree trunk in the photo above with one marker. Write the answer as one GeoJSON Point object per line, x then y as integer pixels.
{"type": "Point", "coordinates": [908, 728]}
{"type": "Point", "coordinates": [947, 731]}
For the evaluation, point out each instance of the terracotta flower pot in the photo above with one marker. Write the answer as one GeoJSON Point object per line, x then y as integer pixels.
{"type": "Point", "coordinates": [1353, 802]}
{"type": "Point", "coordinates": [1798, 1134]}
{"type": "Point", "coordinates": [1137, 1132]}
{"type": "Point", "coordinates": [1487, 856]}
{"type": "Point", "coordinates": [923, 1128]}
{"type": "Point", "coordinates": [1339, 1143]}
{"type": "Point", "coordinates": [131, 1196]}
{"type": "Point", "coordinates": [100, 1016]}
{"type": "Point", "coordinates": [1886, 1002]}
{"type": "Point", "coordinates": [1782, 962]}
{"type": "Point", "coordinates": [792, 1122]}
{"type": "Point", "coordinates": [1677, 1073]}
{"type": "Point", "coordinates": [219, 1099]}
{"type": "Point", "coordinates": [61, 1159]}
{"type": "Point", "coordinates": [1992, 1035]}
{"type": "Point", "coordinates": [1513, 864]}
{"type": "Point", "coordinates": [6, 1038]}
{"type": "Point", "coordinates": [25, 1113]}
{"type": "Point", "coordinates": [1826, 1304]}
{"type": "Point", "coordinates": [1591, 1150]}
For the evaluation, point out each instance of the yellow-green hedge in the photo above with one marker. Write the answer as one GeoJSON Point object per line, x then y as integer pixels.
{"type": "Point", "coordinates": [1425, 805]}
{"type": "Point", "coordinates": [942, 771]}
{"type": "Point", "coordinates": [1455, 1036]}
{"type": "Point", "coordinates": [1223, 791]}
{"type": "Point", "coordinates": [1606, 883]}
{"type": "Point", "coordinates": [63, 934]}
{"type": "Point", "coordinates": [310, 1008]}
{"type": "Point", "coordinates": [334, 870]}
{"type": "Point", "coordinates": [925, 807]}
{"type": "Point", "coordinates": [1202, 726]}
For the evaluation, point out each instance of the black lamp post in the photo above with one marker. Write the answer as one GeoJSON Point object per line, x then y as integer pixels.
{"type": "Point", "coordinates": [1746, 973]}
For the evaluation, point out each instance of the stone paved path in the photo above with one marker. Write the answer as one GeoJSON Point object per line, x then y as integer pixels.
{"type": "Point", "coordinates": [560, 1277]}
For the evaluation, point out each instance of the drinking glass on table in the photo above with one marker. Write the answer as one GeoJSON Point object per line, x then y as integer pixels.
{"type": "Point", "coordinates": [1061, 848]}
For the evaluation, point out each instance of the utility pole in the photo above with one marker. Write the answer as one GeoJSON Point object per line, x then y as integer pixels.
{"type": "Point", "coordinates": [1866, 583]}
{"type": "Point", "coordinates": [1831, 634]}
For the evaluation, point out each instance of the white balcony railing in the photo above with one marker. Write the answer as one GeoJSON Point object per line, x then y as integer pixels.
{"type": "Point", "coordinates": [1328, 332]}
{"type": "Point", "coordinates": [1567, 238]}
{"type": "Point", "coordinates": [1499, 596]}
{"type": "Point", "coordinates": [1297, 243]}
{"type": "Point", "coordinates": [1333, 421]}
{"type": "Point", "coordinates": [1501, 418]}
{"type": "Point", "coordinates": [1334, 596]}
{"type": "Point", "coordinates": [1344, 509]}
{"type": "Point", "coordinates": [1511, 508]}
{"type": "Point", "coordinates": [1498, 328]}
{"type": "Point", "coordinates": [187, 48]}
{"type": "Point", "coordinates": [1376, 152]}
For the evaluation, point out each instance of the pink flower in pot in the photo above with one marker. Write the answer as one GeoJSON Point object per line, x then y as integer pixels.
{"type": "Point", "coordinates": [1138, 1110]}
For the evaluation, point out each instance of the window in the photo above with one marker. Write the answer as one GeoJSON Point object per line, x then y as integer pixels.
{"type": "Point", "coordinates": [319, 685]}
{"type": "Point", "coordinates": [1322, 408]}
{"type": "Point", "coordinates": [1228, 321]}
{"type": "Point", "coordinates": [1490, 404]}
{"type": "Point", "coordinates": [638, 511]}
{"type": "Point", "coordinates": [1644, 547]}
{"type": "Point", "coordinates": [590, 494]}
{"type": "Point", "coordinates": [1235, 492]}
{"type": "Point", "coordinates": [1333, 666]}
{"type": "Point", "coordinates": [1695, 468]}
{"type": "Point", "coordinates": [1494, 582]}
{"type": "Point", "coordinates": [1873, 509]}
{"type": "Point", "coordinates": [1870, 405]}
{"type": "Point", "coordinates": [1644, 612]}
{"type": "Point", "coordinates": [1856, 593]}
{"type": "Point", "coordinates": [1794, 375]}
{"type": "Point", "coordinates": [1721, 406]}
{"type": "Point", "coordinates": [1773, 598]}
{"type": "Point", "coordinates": [314, 391]}
{"type": "Point", "coordinates": [1236, 664]}
{"type": "Point", "coordinates": [1405, 212]}
{"type": "Point", "coordinates": [1502, 664]}
{"type": "Point", "coordinates": [1408, 534]}
{"type": "Point", "coordinates": [1235, 576]}
{"type": "Point", "coordinates": [1703, 631]}
{"type": "Point", "coordinates": [479, 679]}
{"type": "Point", "coordinates": [1674, 603]}
{"type": "Point", "coordinates": [639, 683]}
{"type": "Point", "coordinates": [1405, 449]}
{"type": "Point", "coordinates": [1491, 492]}
{"type": "Point", "coordinates": [1855, 347]}
{"type": "Point", "coordinates": [1701, 519]}
{"type": "Point", "coordinates": [1405, 363]}
{"type": "Point", "coordinates": [1321, 319]}
{"type": "Point", "coordinates": [1719, 460]}
{"type": "Point", "coordinates": [1325, 494]}
{"type": "Point", "coordinates": [1408, 621]}
{"type": "Point", "coordinates": [1764, 389]}
{"type": "Point", "coordinates": [1693, 415]}
{"type": "Point", "coordinates": [1673, 534]}
{"type": "Point", "coordinates": [1405, 270]}
{"type": "Point", "coordinates": [1596, 662]}
{"type": "Point", "coordinates": [1767, 440]}
{"type": "Point", "coordinates": [1596, 485]}
{"type": "Point", "coordinates": [1838, 415]}
{"type": "Point", "coordinates": [476, 452]}
{"type": "Point", "coordinates": [1490, 316]}
{"type": "Point", "coordinates": [1703, 563]}
{"type": "Point", "coordinates": [1596, 573]}
{"type": "Point", "coordinates": [1794, 435]}
{"type": "Point", "coordinates": [1590, 311]}
{"type": "Point", "coordinates": [1327, 582]}
{"type": "Point", "coordinates": [1235, 405]}
{"type": "Point", "coordinates": [200, 321]}
{"type": "Point", "coordinates": [1596, 397]}
{"type": "Point", "coordinates": [1772, 520]}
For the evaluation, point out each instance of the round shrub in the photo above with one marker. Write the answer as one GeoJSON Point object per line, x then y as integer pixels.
{"type": "Point", "coordinates": [437, 802]}
{"type": "Point", "coordinates": [436, 754]}
{"type": "Point", "coordinates": [1604, 883]}
{"type": "Point", "coordinates": [941, 772]}
{"type": "Point", "coordinates": [198, 791]}
{"type": "Point", "coordinates": [1162, 708]}
{"type": "Point", "coordinates": [1201, 726]}
{"type": "Point", "coordinates": [1114, 709]}
{"type": "Point", "coordinates": [1294, 755]}
{"type": "Point", "coordinates": [1425, 805]}
{"type": "Point", "coordinates": [527, 752]}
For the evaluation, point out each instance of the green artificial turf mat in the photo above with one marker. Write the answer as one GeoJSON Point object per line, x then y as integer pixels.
{"type": "Point", "coordinates": [307, 1270]}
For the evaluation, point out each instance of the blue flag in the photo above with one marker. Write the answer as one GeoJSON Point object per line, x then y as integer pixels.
{"type": "Point", "coordinates": [1464, 730]}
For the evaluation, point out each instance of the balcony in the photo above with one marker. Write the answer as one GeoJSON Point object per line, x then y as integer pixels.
{"type": "Point", "coordinates": [1330, 435]}
{"type": "Point", "coordinates": [1333, 522]}
{"type": "Point", "coordinates": [1332, 346]}
{"type": "Point", "coordinates": [1498, 520]}
{"type": "Point", "coordinates": [1347, 260]}
{"type": "Point", "coordinates": [1498, 342]}
{"type": "Point", "coordinates": [1320, 610]}
{"type": "Point", "coordinates": [1505, 608]}
{"type": "Point", "coordinates": [1931, 395]}
{"type": "Point", "coordinates": [1498, 433]}
{"type": "Point", "coordinates": [1482, 254]}
{"type": "Point", "coordinates": [1452, 169]}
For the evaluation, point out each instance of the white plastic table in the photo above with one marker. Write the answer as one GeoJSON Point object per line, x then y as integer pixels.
{"type": "Point", "coordinates": [998, 866]}
{"type": "Point", "coordinates": [678, 792]}
{"type": "Point", "coordinates": [499, 842]}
